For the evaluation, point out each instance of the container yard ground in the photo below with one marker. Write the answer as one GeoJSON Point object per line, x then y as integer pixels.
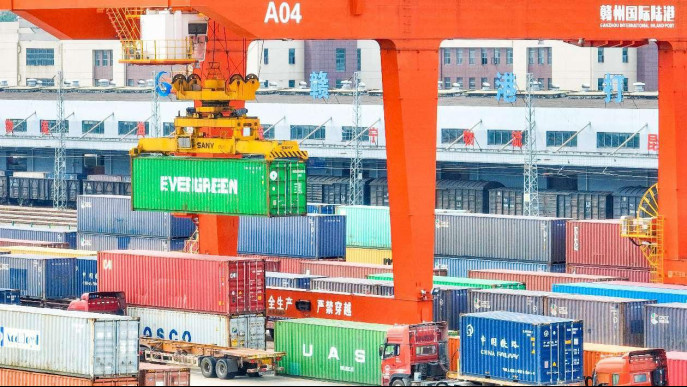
{"type": "Point", "coordinates": [197, 379]}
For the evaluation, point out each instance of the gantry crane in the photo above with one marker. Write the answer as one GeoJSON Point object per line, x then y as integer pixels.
{"type": "Point", "coordinates": [409, 33]}
{"type": "Point", "coordinates": [646, 230]}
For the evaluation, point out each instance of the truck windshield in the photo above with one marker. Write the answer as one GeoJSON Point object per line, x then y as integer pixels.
{"type": "Point", "coordinates": [391, 350]}
{"type": "Point", "coordinates": [426, 350]}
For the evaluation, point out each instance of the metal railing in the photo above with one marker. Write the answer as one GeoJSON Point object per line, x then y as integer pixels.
{"type": "Point", "coordinates": [158, 51]}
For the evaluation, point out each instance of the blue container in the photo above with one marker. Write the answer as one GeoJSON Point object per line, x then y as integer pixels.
{"type": "Point", "coordinates": [325, 209]}
{"type": "Point", "coordinates": [37, 276]}
{"type": "Point", "coordinates": [9, 296]}
{"type": "Point", "coordinates": [526, 348]}
{"type": "Point", "coordinates": [287, 280]}
{"type": "Point", "coordinates": [42, 234]}
{"type": "Point", "coordinates": [101, 242]}
{"type": "Point", "coordinates": [661, 295]}
{"type": "Point", "coordinates": [86, 277]}
{"type": "Point", "coordinates": [449, 303]}
{"type": "Point", "coordinates": [312, 236]}
{"type": "Point", "coordinates": [459, 266]}
{"type": "Point", "coordinates": [112, 215]}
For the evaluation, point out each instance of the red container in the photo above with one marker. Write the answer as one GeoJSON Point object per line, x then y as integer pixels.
{"type": "Point", "coordinates": [286, 265]}
{"type": "Point", "coordinates": [163, 375]}
{"type": "Point", "coordinates": [677, 368]}
{"type": "Point", "coordinates": [28, 378]}
{"type": "Point", "coordinates": [598, 243]}
{"type": "Point", "coordinates": [538, 281]}
{"type": "Point", "coordinates": [635, 275]}
{"type": "Point", "coordinates": [199, 283]}
{"type": "Point", "coordinates": [20, 242]}
{"type": "Point", "coordinates": [273, 265]}
{"type": "Point", "coordinates": [343, 269]}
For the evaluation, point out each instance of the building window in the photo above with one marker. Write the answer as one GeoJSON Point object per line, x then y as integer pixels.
{"type": "Point", "coordinates": [45, 82]}
{"type": "Point", "coordinates": [485, 60]}
{"type": "Point", "coordinates": [541, 56]}
{"type": "Point", "coordinates": [340, 59]}
{"type": "Point", "coordinates": [540, 81]}
{"type": "Point", "coordinates": [472, 83]}
{"type": "Point", "coordinates": [495, 85]}
{"type": "Point", "coordinates": [600, 55]}
{"type": "Point", "coordinates": [497, 56]}
{"type": "Point", "coordinates": [483, 81]}
{"type": "Point", "coordinates": [447, 56]}
{"type": "Point", "coordinates": [449, 135]}
{"type": "Point", "coordinates": [501, 137]}
{"type": "Point", "coordinates": [129, 83]}
{"type": "Point", "coordinates": [549, 84]}
{"type": "Point", "coordinates": [626, 57]}
{"type": "Point", "coordinates": [614, 140]}
{"type": "Point", "coordinates": [447, 82]}
{"type": "Point", "coordinates": [348, 135]}
{"type": "Point", "coordinates": [102, 58]}
{"type": "Point", "coordinates": [459, 56]}
{"type": "Point", "coordinates": [52, 125]}
{"type": "Point", "coordinates": [130, 128]}
{"type": "Point", "coordinates": [359, 53]}
{"type": "Point", "coordinates": [292, 83]}
{"type": "Point", "coordinates": [559, 138]}
{"type": "Point", "coordinates": [339, 83]}
{"type": "Point", "coordinates": [92, 127]}
{"type": "Point", "coordinates": [40, 57]}
{"type": "Point", "coordinates": [459, 81]}
{"type": "Point", "coordinates": [292, 56]}
{"type": "Point", "coordinates": [471, 56]}
{"type": "Point", "coordinates": [167, 128]}
{"type": "Point", "coordinates": [299, 132]}
{"type": "Point", "coordinates": [549, 53]}
{"type": "Point", "coordinates": [625, 84]}
{"type": "Point", "coordinates": [268, 131]}
{"type": "Point", "coordinates": [266, 56]}
{"type": "Point", "coordinates": [600, 84]}
{"type": "Point", "coordinates": [19, 125]}
{"type": "Point", "coordinates": [509, 56]}
{"type": "Point", "coordinates": [530, 54]}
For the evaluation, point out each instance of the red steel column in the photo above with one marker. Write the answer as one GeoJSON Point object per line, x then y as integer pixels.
{"type": "Point", "coordinates": [672, 156]}
{"type": "Point", "coordinates": [409, 74]}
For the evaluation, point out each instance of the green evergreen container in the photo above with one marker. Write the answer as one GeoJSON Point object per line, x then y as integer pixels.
{"type": "Point", "coordinates": [342, 351]}
{"type": "Point", "coordinates": [367, 226]}
{"type": "Point", "coordinates": [219, 186]}
{"type": "Point", "coordinates": [460, 281]}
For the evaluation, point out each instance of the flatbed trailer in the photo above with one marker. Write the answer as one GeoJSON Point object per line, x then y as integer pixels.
{"type": "Point", "coordinates": [214, 361]}
{"type": "Point", "coordinates": [456, 379]}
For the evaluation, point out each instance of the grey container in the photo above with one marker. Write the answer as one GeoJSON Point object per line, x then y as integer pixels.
{"type": "Point", "coordinates": [354, 286]}
{"type": "Point", "coordinates": [517, 238]}
{"type": "Point", "coordinates": [607, 320]}
{"type": "Point", "coordinates": [665, 326]}
{"type": "Point", "coordinates": [42, 234]}
{"type": "Point", "coordinates": [112, 215]}
{"type": "Point", "coordinates": [626, 201]}
{"type": "Point", "coordinates": [288, 280]}
{"type": "Point", "coordinates": [85, 345]}
{"type": "Point", "coordinates": [101, 242]}
{"type": "Point", "coordinates": [39, 277]}
{"type": "Point", "coordinates": [518, 301]}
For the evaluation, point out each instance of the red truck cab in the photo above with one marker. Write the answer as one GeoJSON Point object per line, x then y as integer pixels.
{"type": "Point", "coordinates": [100, 302]}
{"type": "Point", "coordinates": [637, 368]}
{"type": "Point", "coordinates": [414, 352]}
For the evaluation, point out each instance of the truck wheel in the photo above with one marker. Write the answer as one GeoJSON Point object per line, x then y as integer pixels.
{"type": "Point", "coordinates": [222, 369]}
{"type": "Point", "coordinates": [398, 382]}
{"type": "Point", "coordinates": [207, 367]}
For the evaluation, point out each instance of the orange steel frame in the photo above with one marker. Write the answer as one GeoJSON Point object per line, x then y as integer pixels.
{"type": "Point", "coordinates": [409, 33]}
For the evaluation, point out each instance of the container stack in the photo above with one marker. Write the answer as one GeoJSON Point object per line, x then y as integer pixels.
{"type": "Point", "coordinates": [538, 281]}
{"type": "Point", "coordinates": [106, 222]}
{"type": "Point", "coordinates": [177, 296]}
{"type": "Point", "coordinates": [67, 348]}
{"type": "Point", "coordinates": [368, 234]}
{"type": "Point", "coordinates": [595, 247]}
{"type": "Point", "coordinates": [54, 234]}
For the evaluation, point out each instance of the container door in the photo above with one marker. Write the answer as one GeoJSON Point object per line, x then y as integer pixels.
{"type": "Point", "coordinates": [105, 348]}
{"type": "Point", "coordinates": [127, 347]}
{"type": "Point", "coordinates": [18, 280]}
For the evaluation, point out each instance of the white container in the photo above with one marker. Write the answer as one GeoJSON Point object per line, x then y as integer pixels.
{"type": "Point", "coordinates": [247, 331]}
{"type": "Point", "coordinates": [77, 344]}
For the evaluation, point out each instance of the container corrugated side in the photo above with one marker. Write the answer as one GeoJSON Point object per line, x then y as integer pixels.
{"type": "Point", "coordinates": [219, 186]}
{"type": "Point", "coordinates": [288, 280]}
{"type": "Point", "coordinates": [86, 276]}
{"type": "Point", "coordinates": [460, 266]}
{"type": "Point", "coordinates": [319, 208]}
{"type": "Point", "coordinates": [595, 352]}
{"type": "Point", "coordinates": [20, 242]}
{"type": "Point", "coordinates": [102, 242]}
{"type": "Point", "coordinates": [312, 236]}
{"type": "Point", "coordinates": [70, 343]}
{"type": "Point", "coordinates": [677, 368]}
{"type": "Point", "coordinates": [38, 276]}
{"type": "Point", "coordinates": [537, 281]}
{"type": "Point", "coordinates": [634, 275]}
{"type": "Point", "coordinates": [200, 283]}
{"type": "Point", "coordinates": [517, 238]}
{"type": "Point", "coordinates": [245, 331]}
{"type": "Point", "coordinates": [531, 349]}
{"type": "Point", "coordinates": [309, 344]}
{"type": "Point", "coordinates": [49, 252]}
{"type": "Point", "coordinates": [449, 302]}
{"type": "Point", "coordinates": [353, 285]}
{"type": "Point", "coordinates": [453, 354]}
{"type": "Point", "coordinates": [367, 226]}
{"type": "Point", "coordinates": [665, 326]}
{"type": "Point", "coordinates": [286, 264]}
{"type": "Point", "coordinates": [108, 214]}
{"type": "Point", "coordinates": [163, 375]}
{"type": "Point", "coordinates": [42, 234]}
{"type": "Point", "coordinates": [369, 256]}
{"type": "Point", "coordinates": [662, 296]}
{"type": "Point", "coordinates": [343, 269]}
{"type": "Point", "coordinates": [460, 281]}
{"type": "Point", "coordinates": [599, 243]}
{"type": "Point", "coordinates": [9, 377]}
{"type": "Point", "coordinates": [521, 301]}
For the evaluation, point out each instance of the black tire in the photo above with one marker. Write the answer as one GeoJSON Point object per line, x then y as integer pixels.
{"type": "Point", "coordinates": [207, 367]}
{"type": "Point", "coordinates": [222, 370]}
{"type": "Point", "coordinates": [271, 333]}
{"type": "Point", "coordinates": [254, 375]}
{"type": "Point", "coordinates": [398, 382]}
